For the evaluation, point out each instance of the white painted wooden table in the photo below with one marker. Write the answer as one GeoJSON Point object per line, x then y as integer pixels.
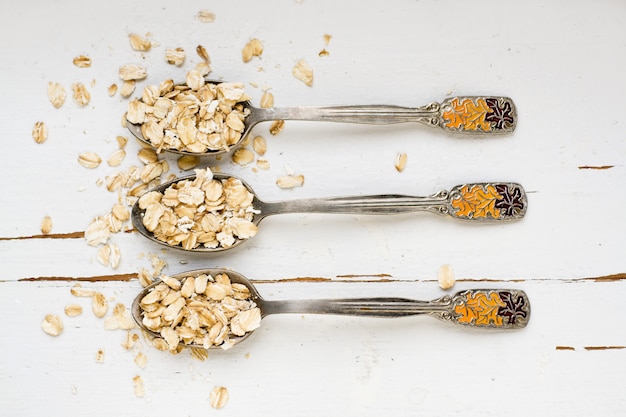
{"type": "Point", "coordinates": [562, 63]}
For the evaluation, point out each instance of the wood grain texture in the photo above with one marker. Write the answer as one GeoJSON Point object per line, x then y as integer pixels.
{"type": "Point", "coordinates": [373, 362]}
{"type": "Point", "coordinates": [561, 64]}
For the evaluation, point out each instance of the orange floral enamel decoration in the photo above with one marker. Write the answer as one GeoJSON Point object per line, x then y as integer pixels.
{"type": "Point", "coordinates": [500, 201]}
{"type": "Point", "coordinates": [479, 114]}
{"type": "Point", "coordinates": [468, 114]}
{"type": "Point", "coordinates": [480, 308]}
{"type": "Point", "coordinates": [491, 308]}
{"type": "Point", "coordinates": [477, 201]}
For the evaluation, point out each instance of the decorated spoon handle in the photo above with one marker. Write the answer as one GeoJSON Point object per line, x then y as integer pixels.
{"type": "Point", "coordinates": [502, 309]}
{"type": "Point", "coordinates": [466, 114]}
{"type": "Point", "coordinates": [476, 202]}
{"type": "Point", "coordinates": [502, 201]}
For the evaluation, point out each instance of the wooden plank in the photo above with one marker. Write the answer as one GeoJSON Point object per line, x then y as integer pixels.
{"type": "Point", "coordinates": [367, 365]}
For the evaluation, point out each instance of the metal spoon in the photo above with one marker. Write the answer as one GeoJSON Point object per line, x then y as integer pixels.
{"type": "Point", "coordinates": [478, 202]}
{"type": "Point", "coordinates": [464, 114]}
{"type": "Point", "coordinates": [487, 308]}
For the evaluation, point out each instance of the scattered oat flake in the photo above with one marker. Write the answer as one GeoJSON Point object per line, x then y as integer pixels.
{"type": "Point", "coordinates": [46, 225]}
{"type": "Point", "coordinates": [303, 72]}
{"type": "Point", "coordinates": [104, 254]}
{"type": "Point", "coordinates": [73, 310]}
{"type": "Point", "coordinates": [259, 144]}
{"type": "Point", "coordinates": [115, 256]}
{"type": "Point", "coordinates": [141, 360]}
{"type": "Point", "coordinates": [160, 344]}
{"type": "Point", "coordinates": [139, 43]}
{"type": "Point", "coordinates": [445, 277]}
{"type": "Point", "coordinates": [97, 232]}
{"type": "Point", "coordinates": [147, 155]}
{"type": "Point", "coordinates": [130, 340]}
{"type": "Point", "coordinates": [119, 319]}
{"type": "Point", "coordinates": [400, 163]}
{"type": "Point", "coordinates": [242, 156]}
{"type": "Point", "coordinates": [112, 90]}
{"type": "Point", "coordinates": [175, 56]}
{"type": "Point", "coordinates": [149, 95]}
{"type": "Point", "coordinates": [78, 291]}
{"type": "Point", "coordinates": [152, 171]}
{"type": "Point", "coordinates": [253, 48]}
{"type": "Point", "coordinates": [327, 39]}
{"type": "Point", "coordinates": [157, 263]}
{"type": "Point", "coordinates": [206, 16]}
{"type": "Point", "coordinates": [99, 305]}
{"type": "Point", "coordinates": [199, 354]}
{"type": "Point", "coordinates": [290, 181]}
{"type": "Point", "coordinates": [89, 160]}
{"type": "Point", "coordinates": [100, 356]}
{"type": "Point", "coordinates": [219, 397]}
{"type": "Point", "coordinates": [80, 94]}
{"type": "Point", "coordinates": [115, 224]}
{"type": "Point", "coordinates": [121, 141]}
{"type": "Point", "coordinates": [52, 325]}
{"type": "Point", "coordinates": [132, 72]}
{"type": "Point", "coordinates": [40, 132]}
{"type": "Point", "coordinates": [187, 162]}
{"type": "Point", "coordinates": [204, 68]}
{"type": "Point", "coordinates": [267, 100]}
{"type": "Point", "coordinates": [139, 388]}
{"type": "Point", "coordinates": [56, 94]}
{"type": "Point", "coordinates": [145, 277]}
{"type": "Point", "coordinates": [120, 212]}
{"type": "Point", "coordinates": [116, 158]}
{"type": "Point", "coordinates": [202, 53]}
{"type": "Point", "coordinates": [263, 164]}
{"type": "Point", "coordinates": [128, 88]}
{"type": "Point", "coordinates": [82, 61]}
{"type": "Point", "coordinates": [195, 80]}
{"type": "Point", "coordinates": [276, 127]}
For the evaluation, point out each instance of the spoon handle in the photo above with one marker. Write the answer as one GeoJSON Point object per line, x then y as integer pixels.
{"type": "Point", "coordinates": [503, 309]}
{"type": "Point", "coordinates": [467, 114]}
{"type": "Point", "coordinates": [478, 202]}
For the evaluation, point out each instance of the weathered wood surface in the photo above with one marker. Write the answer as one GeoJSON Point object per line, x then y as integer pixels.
{"type": "Point", "coordinates": [561, 63]}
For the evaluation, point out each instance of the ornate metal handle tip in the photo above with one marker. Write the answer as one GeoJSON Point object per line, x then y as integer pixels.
{"type": "Point", "coordinates": [488, 202]}
{"type": "Point", "coordinates": [478, 114]}
{"type": "Point", "coordinates": [500, 309]}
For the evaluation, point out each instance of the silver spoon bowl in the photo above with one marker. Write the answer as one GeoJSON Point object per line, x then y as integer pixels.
{"type": "Point", "coordinates": [485, 115]}
{"type": "Point", "coordinates": [508, 308]}
{"type": "Point", "coordinates": [477, 202]}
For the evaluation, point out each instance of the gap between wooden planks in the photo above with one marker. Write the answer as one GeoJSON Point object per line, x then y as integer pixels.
{"type": "Point", "coordinates": [341, 278]}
